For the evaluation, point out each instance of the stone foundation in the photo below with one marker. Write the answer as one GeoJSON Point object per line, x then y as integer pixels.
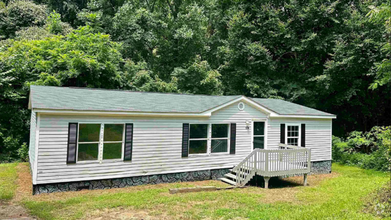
{"type": "Point", "coordinates": [130, 181]}
{"type": "Point", "coordinates": [319, 167]}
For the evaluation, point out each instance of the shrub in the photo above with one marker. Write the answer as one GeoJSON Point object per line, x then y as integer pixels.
{"type": "Point", "coordinates": [369, 150]}
{"type": "Point", "coordinates": [23, 152]}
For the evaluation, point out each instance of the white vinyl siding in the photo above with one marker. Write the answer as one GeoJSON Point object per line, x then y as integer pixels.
{"type": "Point", "coordinates": [157, 146]}
{"type": "Point", "coordinates": [317, 135]}
{"type": "Point", "coordinates": [33, 124]}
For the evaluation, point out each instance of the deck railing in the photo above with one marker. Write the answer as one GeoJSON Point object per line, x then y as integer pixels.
{"type": "Point", "coordinates": [271, 163]}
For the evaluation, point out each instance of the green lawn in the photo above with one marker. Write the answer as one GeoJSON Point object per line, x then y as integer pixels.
{"type": "Point", "coordinates": [340, 195]}
{"type": "Point", "coordinates": [8, 178]}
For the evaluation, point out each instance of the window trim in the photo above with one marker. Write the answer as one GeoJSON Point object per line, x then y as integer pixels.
{"type": "Point", "coordinates": [299, 134]}
{"type": "Point", "coordinates": [100, 143]}
{"type": "Point", "coordinates": [228, 138]}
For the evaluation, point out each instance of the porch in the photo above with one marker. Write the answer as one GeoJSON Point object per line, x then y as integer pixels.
{"type": "Point", "coordinates": [288, 160]}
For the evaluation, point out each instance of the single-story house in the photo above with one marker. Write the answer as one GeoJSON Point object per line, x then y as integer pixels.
{"type": "Point", "coordinates": [83, 138]}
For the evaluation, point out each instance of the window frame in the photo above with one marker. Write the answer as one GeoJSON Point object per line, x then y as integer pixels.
{"type": "Point", "coordinates": [209, 140]}
{"type": "Point", "coordinates": [100, 143]}
{"type": "Point", "coordinates": [108, 142]}
{"type": "Point", "coordinates": [299, 133]}
{"type": "Point", "coordinates": [265, 135]}
{"type": "Point", "coordinates": [78, 142]}
{"type": "Point", "coordinates": [228, 138]}
{"type": "Point", "coordinates": [208, 129]}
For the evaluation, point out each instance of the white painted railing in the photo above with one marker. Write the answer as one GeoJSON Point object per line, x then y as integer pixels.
{"type": "Point", "coordinates": [269, 163]}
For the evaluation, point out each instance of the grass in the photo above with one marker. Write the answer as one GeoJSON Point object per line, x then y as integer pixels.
{"type": "Point", "coordinates": [340, 195]}
{"type": "Point", "coordinates": [8, 176]}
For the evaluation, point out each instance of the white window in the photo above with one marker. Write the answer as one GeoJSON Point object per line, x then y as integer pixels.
{"type": "Point", "coordinates": [293, 134]}
{"type": "Point", "coordinates": [91, 147]}
{"type": "Point", "coordinates": [113, 140]}
{"type": "Point", "coordinates": [198, 141]}
{"type": "Point", "coordinates": [220, 137]}
{"type": "Point", "coordinates": [208, 138]}
{"type": "Point", "coordinates": [88, 143]}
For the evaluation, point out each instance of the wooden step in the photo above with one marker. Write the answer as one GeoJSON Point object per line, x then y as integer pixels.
{"type": "Point", "coordinates": [230, 175]}
{"type": "Point", "coordinates": [232, 171]}
{"type": "Point", "coordinates": [228, 181]}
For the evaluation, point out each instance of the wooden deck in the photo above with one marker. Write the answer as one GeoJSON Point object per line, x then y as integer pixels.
{"type": "Point", "coordinates": [291, 160]}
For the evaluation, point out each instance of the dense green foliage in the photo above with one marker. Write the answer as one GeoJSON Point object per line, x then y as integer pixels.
{"type": "Point", "coordinates": [331, 55]}
{"type": "Point", "coordinates": [369, 150]}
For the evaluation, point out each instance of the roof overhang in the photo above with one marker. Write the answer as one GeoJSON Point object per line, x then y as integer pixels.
{"type": "Point", "coordinates": [117, 113]}
{"type": "Point", "coordinates": [306, 116]}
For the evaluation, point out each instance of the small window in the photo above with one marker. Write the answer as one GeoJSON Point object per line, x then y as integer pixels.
{"type": "Point", "coordinates": [198, 141]}
{"type": "Point", "coordinates": [113, 141]}
{"type": "Point", "coordinates": [219, 138]}
{"type": "Point", "coordinates": [88, 144]}
{"type": "Point", "coordinates": [293, 135]}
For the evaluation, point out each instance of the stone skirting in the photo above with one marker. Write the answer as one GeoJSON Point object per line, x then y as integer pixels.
{"type": "Point", "coordinates": [130, 181]}
{"type": "Point", "coordinates": [318, 167]}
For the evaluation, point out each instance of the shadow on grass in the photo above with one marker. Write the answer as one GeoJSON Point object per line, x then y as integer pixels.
{"type": "Point", "coordinates": [274, 182]}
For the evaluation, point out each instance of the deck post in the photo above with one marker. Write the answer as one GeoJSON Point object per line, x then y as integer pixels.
{"type": "Point", "coordinates": [266, 182]}
{"type": "Point", "coordinates": [305, 179]}
{"type": "Point", "coordinates": [266, 161]}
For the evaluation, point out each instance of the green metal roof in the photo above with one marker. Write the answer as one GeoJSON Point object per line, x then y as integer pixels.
{"type": "Point", "coordinates": [87, 99]}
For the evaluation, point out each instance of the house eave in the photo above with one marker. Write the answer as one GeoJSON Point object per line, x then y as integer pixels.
{"type": "Point", "coordinates": [305, 116]}
{"type": "Point", "coordinates": [118, 113]}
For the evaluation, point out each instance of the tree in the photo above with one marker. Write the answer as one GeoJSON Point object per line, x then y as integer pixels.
{"type": "Point", "coordinates": [382, 15]}
{"type": "Point", "coordinates": [19, 14]}
{"type": "Point", "coordinates": [81, 58]}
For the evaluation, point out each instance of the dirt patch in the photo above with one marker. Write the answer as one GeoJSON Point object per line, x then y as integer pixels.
{"type": "Point", "coordinates": [123, 213]}
{"type": "Point", "coordinates": [25, 185]}
{"type": "Point", "coordinates": [379, 202]}
{"type": "Point", "coordinates": [9, 210]}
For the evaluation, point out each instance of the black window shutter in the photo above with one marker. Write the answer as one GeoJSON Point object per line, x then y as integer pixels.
{"type": "Point", "coordinates": [185, 140]}
{"type": "Point", "coordinates": [72, 143]}
{"type": "Point", "coordinates": [232, 148]}
{"type": "Point", "coordinates": [128, 142]}
{"type": "Point", "coordinates": [303, 135]}
{"type": "Point", "coordinates": [282, 133]}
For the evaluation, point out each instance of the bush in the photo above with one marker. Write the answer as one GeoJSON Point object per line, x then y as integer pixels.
{"type": "Point", "coordinates": [23, 152]}
{"type": "Point", "coordinates": [369, 150]}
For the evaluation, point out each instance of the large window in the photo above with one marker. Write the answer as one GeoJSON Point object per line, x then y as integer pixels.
{"type": "Point", "coordinates": [198, 142]}
{"type": "Point", "coordinates": [88, 148]}
{"type": "Point", "coordinates": [219, 138]}
{"type": "Point", "coordinates": [89, 142]}
{"type": "Point", "coordinates": [293, 135]}
{"type": "Point", "coordinates": [259, 135]}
